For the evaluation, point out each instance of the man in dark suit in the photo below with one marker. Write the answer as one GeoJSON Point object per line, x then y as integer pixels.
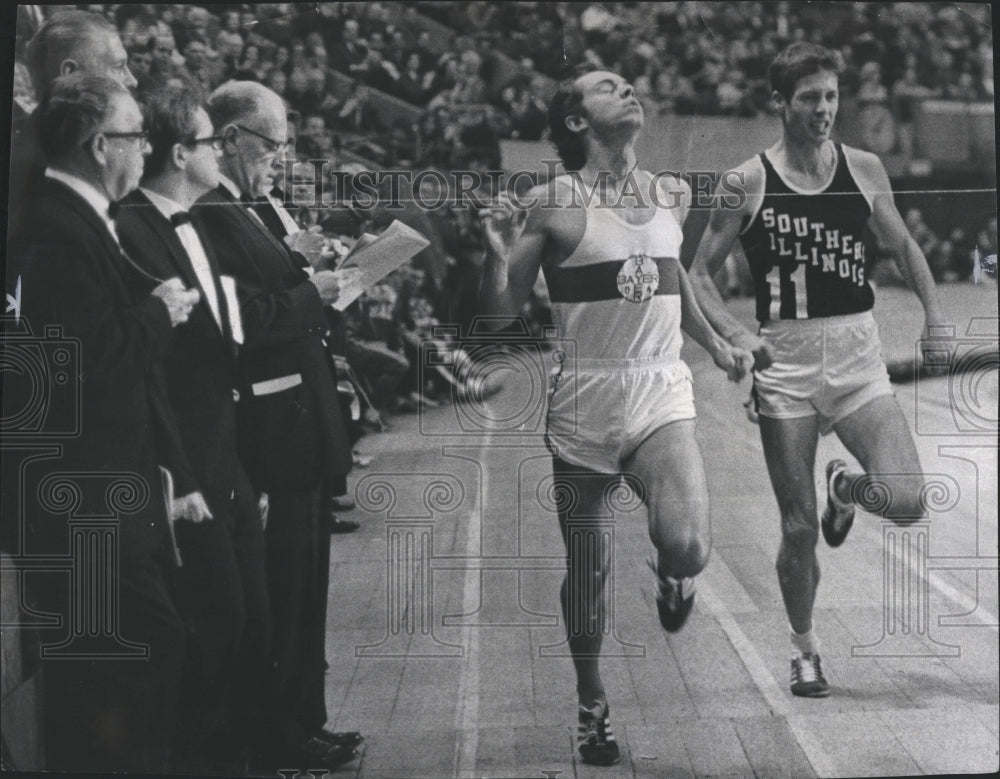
{"type": "Point", "coordinates": [103, 714]}
{"type": "Point", "coordinates": [220, 589]}
{"type": "Point", "coordinates": [292, 435]}
{"type": "Point", "coordinates": [276, 217]}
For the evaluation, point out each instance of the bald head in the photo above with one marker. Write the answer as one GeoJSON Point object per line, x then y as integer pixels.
{"type": "Point", "coordinates": [253, 122]}
{"type": "Point", "coordinates": [243, 102]}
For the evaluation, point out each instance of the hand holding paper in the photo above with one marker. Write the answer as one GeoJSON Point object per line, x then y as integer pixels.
{"type": "Point", "coordinates": [377, 257]}
{"type": "Point", "coordinates": [333, 285]}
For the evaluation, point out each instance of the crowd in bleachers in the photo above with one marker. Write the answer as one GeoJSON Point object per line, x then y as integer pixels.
{"type": "Point", "coordinates": [953, 255]}
{"type": "Point", "coordinates": [711, 58]}
{"type": "Point", "coordinates": [683, 57]}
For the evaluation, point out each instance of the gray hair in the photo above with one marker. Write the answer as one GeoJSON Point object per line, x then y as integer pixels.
{"type": "Point", "coordinates": [73, 110]}
{"type": "Point", "coordinates": [60, 38]}
{"type": "Point", "coordinates": [237, 101]}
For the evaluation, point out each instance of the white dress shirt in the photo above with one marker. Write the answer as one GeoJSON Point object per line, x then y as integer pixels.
{"type": "Point", "coordinates": [189, 239]}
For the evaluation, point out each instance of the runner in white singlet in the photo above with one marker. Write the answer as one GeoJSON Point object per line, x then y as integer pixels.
{"type": "Point", "coordinates": [608, 240]}
{"type": "Point", "coordinates": [617, 298]}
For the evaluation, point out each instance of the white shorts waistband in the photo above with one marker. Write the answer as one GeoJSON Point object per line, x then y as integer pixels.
{"type": "Point", "coordinates": [617, 365]}
{"type": "Point", "coordinates": [816, 325]}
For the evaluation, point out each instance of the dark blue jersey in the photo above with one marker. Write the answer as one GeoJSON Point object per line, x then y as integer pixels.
{"type": "Point", "coordinates": [807, 249]}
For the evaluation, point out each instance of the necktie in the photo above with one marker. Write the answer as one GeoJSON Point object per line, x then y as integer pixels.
{"type": "Point", "coordinates": [180, 218]}
{"type": "Point", "coordinates": [113, 208]}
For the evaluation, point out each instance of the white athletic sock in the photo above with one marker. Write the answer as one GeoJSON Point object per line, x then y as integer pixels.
{"type": "Point", "coordinates": [805, 643]}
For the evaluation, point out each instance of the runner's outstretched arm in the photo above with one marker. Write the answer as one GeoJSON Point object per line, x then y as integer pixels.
{"type": "Point", "coordinates": [514, 245]}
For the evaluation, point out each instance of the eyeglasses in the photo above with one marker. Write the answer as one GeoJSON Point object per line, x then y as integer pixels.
{"type": "Point", "coordinates": [273, 146]}
{"type": "Point", "coordinates": [215, 140]}
{"type": "Point", "coordinates": [141, 136]}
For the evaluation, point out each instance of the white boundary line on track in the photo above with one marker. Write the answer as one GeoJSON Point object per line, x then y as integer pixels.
{"type": "Point", "coordinates": [776, 699]}
{"type": "Point", "coordinates": [973, 609]}
{"type": "Point", "coordinates": [467, 706]}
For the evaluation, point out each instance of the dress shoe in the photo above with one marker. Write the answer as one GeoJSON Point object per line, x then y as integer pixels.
{"type": "Point", "coordinates": [338, 525]}
{"type": "Point", "coordinates": [335, 738]}
{"type": "Point", "coordinates": [310, 753]}
{"type": "Point", "coordinates": [343, 503]}
{"type": "Point", "coordinates": [364, 460]}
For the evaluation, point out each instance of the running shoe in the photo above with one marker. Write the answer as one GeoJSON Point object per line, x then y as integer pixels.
{"type": "Point", "coordinates": [807, 678]}
{"type": "Point", "coordinates": [838, 516]}
{"type": "Point", "coordinates": [674, 600]}
{"type": "Point", "coordinates": [594, 741]}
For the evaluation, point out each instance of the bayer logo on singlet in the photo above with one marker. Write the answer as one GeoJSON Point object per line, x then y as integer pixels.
{"type": "Point", "coordinates": [638, 278]}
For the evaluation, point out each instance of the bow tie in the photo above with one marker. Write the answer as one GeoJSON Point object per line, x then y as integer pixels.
{"type": "Point", "coordinates": [113, 208]}
{"type": "Point", "coordinates": [180, 218]}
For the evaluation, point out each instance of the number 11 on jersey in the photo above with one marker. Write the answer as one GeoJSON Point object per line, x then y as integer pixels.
{"type": "Point", "coordinates": [793, 284]}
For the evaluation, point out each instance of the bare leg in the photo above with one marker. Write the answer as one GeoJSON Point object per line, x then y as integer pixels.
{"type": "Point", "coordinates": [790, 452]}
{"type": "Point", "coordinates": [583, 522]}
{"type": "Point", "coordinates": [878, 436]}
{"type": "Point", "coordinates": [671, 471]}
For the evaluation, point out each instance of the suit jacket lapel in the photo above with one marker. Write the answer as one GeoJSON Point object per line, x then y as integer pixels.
{"type": "Point", "coordinates": [177, 255]}
{"type": "Point", "coordinates": [259, 226]}
{"type": "Point", "coordinates": [182, 262]}
{"type": "Point", "coordinates": [164, 231]}
{"type": "Point", "coordinates": [269, 216]}
{"type": "Point", "coordinates": [110, 243]}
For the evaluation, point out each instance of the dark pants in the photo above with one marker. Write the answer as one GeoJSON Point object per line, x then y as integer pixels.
{"type": "Point", "coordinates": [298, 570]}
{"type": "Point", "coordinates": [245, 706]}
{"type": "Point", "coordinates": [104, 715]}
{"type": "Point", "coordinates": [221, 595]}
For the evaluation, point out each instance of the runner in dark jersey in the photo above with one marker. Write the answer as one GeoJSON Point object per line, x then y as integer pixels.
{"type": "Point", "coordinates": [818, 364]}
{"type": "Point", "coordinates": [807, 253]}
{"type": "Point", "coordinates": [625, 404]}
